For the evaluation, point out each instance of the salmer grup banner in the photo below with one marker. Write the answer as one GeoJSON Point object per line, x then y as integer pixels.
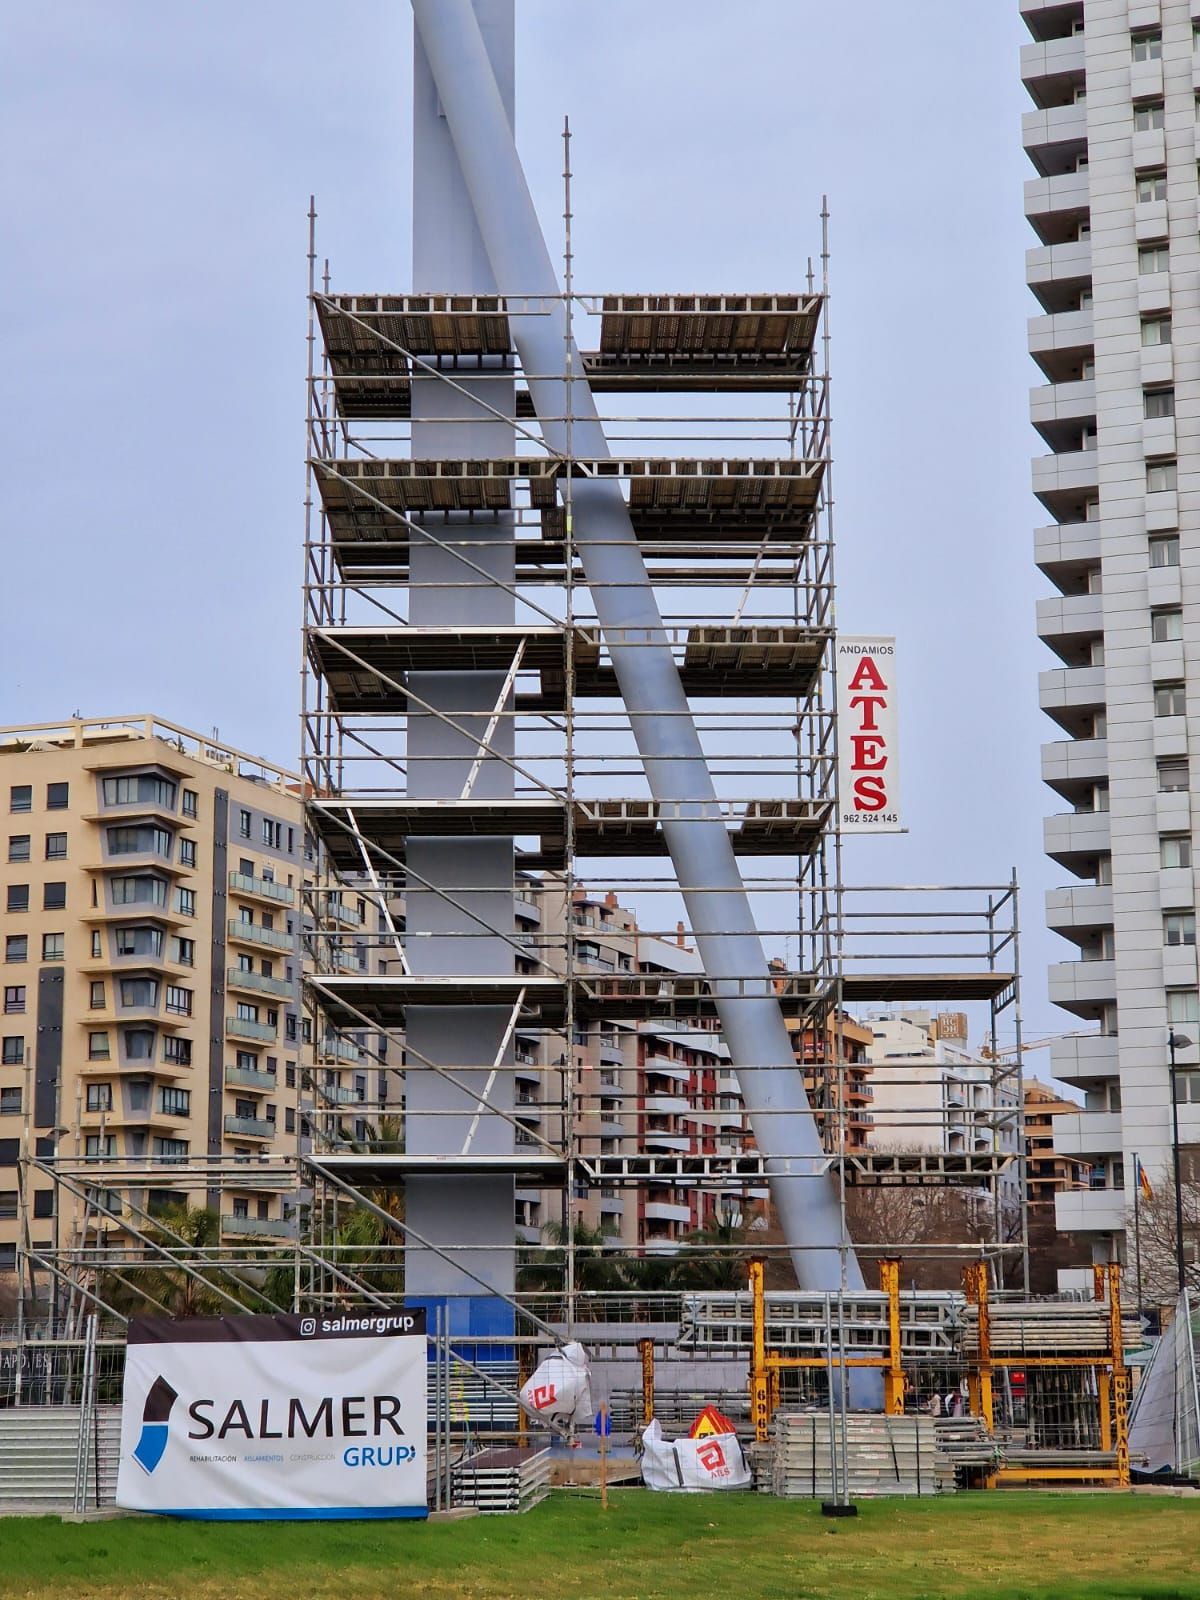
{"type": "Point", "coordinates": [276, 1417]}
{"type": "Point", "coordinates": [868, 753]}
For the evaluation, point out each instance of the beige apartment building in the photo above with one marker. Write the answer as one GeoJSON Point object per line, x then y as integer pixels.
{"type": "Point", "coordinates": [151, 946]}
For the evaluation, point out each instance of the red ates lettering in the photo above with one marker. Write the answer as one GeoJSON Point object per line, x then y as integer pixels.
{"type": "Point", "coordinates": [543, 1396]}
{"type": "Point", "coordinates": [868, 747]}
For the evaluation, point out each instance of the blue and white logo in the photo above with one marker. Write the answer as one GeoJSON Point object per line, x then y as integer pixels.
{"type": "Point", "coordinates": [156, 1415]}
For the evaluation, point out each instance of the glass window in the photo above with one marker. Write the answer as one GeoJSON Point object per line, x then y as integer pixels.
{"type": "Point", "coordinates": [56, 847]}
{"type": "Point", "coordinates": [1166, 626]}
{"type": "Point", "coordinates": [1170, 700]}
{"type": "Point", "coordinates": [1164, 550]}
{"type": "Point", "coordinates": [1183, 1005]}
{"type": "Point", "coordinates": [16, 947]}
{"type": "Point", "coordinates": [246, 1012]}
{"type": "Point", "coordinates": [100, 1144]}
{"type": "Point", "coordinates": [54, 896]}
{"type": "Point", "coordinates": [139, 942]}
{"type": "Point", "coordinates": [1148, 117]}
{"type": "Point", "coordinates": [140, 890]}
{"type": "Point", "coordinates": [175, 1102]}
{"type": "Point", "coordinates": [139, 991]}
{"type": "Point", "coordinates": [187, 852]}
{"type": "Point", "coordinates": [97, 944]}
{"type": "Point", "coordinates": [10, 1102]}
{"type": "Point", "coordinates": [134, 840]}
{"type": "Point", "coordinates": [141, 788]}
{"type": "Point", "coordinates": [1147, 46]}
{"type": "Point", "coordinates": [139, 1044]}
{"type": "Point", "coordinates": [175, 1149]}
{"type": "Point", "coordinates": [98, 1049]}
{"type": "Point", "coordinates": [185, 902]}
{"type": "Point", "coordinates": [53, 946]}
{"type": "Point", "coordinates": [97, 1000]}
{"type": "Point", "coordinates": [1156, 330]}
{"type": "Point", "coordinates": [177, 1051]}
{"type": "Point", "coordinates": [191, 803]}
{"type": "Point", "coordinates": [244, 824]}
{"type": "Point", "coordinates": [14, 999]}
{"type": "Point", "coordinates": [99, 1097]}
{"type": "Point", "coordinates": [1172, 775]}
{"type": "Point", "coordinates": [57, 796]}
{"type": "Point", "coordinates": [1175, 850]}
{"type": "Point", "coordinates": [1160, 476]}
{"type": "Point", "coordinates": [272, 833]}
{"type": "Point", "coordinates": [12, 1053]}
{"type": "Point", "coordinates": [1159, 403]}
{"type": "Point", "coordinates": [20, 797]}
{"type": "Point", "coordinates": [1179, 927]}
{"type": "Point", "coordinates": [184, 952]}
{"type": "Point", "coordinates": [179, 1000]}
{"type": "Point", "coordinates": [18, 897]}
{"type": "Point", "coordinates": [1153, 258]}
{"type": "Point", "coordinates": [1152, 186]}
{"type": "Point", "coordinates": [18, 847]}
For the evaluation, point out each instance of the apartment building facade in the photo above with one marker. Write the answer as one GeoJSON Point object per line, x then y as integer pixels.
{"type": "Point", "coordinates": [1113, 138]}
{"type": "Point", "coordinates": [1049, 1173]}
{"type": "Point", "coordinates": [151, 948]}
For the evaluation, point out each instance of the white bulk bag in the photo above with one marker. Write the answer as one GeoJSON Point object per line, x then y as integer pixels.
{"type": "Point", "coordinates": [712, 1462]}
{"type": "Point", "coordinates": [561, 1387]}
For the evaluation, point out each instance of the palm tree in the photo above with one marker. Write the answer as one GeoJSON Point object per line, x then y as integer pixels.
{"type": "Point", "coordinates": [599, 1264]}
{"type": "Point", "coordinates": [159, 1288]}
{"type": "Point", "coordinates": [716, 1255]}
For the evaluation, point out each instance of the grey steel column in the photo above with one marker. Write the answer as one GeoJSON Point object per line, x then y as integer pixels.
{"type": "Point", "coordinates": [449, 257]}
{"type": "Point", "coordinates": [480, 125]}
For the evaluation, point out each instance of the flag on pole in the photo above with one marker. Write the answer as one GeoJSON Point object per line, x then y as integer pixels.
{"type": "Point", "coordinates": [1143, 1180]}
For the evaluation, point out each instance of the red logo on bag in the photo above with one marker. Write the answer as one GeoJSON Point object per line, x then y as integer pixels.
{"type": "Point", "coordinates": [711, 1456]}
{"type": "Point", "coordinates": [543, 1396]}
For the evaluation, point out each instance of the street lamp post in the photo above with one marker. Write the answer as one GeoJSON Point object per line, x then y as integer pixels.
{"type": "Point", "coordinates": [1177, 1041]}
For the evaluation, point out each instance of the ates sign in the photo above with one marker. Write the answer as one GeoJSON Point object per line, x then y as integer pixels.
{"type": "Point", "coordinates": [868, 769]}
{"type": "Point", "coordinates": [275, 1417]}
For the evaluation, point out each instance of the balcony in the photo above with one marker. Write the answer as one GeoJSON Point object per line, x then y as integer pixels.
{"type": "Point", "coordinates": [1090, 1210]}
{"type": "Point", "coordinates": [1065, 550]}
{"type": "Point", "coordinates": [1061, 342]}
{"type": "Point", "coordinates": [241, 883]}
{"type": "Point", "coordinates": [527, 909]}
{"type": "Point", "coordinates": [256, 1227]}
{"type": "Point", "coordinates": [667, 1105]}
{"type": "Point", "coordinates": [338, 911]}
{"type": "Point", "coordinates": [249, 1078]}
{"type": "Point", "coordinates": [335, 1048]}
{"type": "Point", "coordinates": [336, 1094]}
{"type": "Point", "coordinates": [1059, 274]}
{"type": "Point", "coordinates": [1075, 838]}
{"type": "Point", "coordinates": [1057, 206]}
{"type": "Point", "coordinates": [1053, 69]}
{"type": "Point", "coordinates": [257, 982]}
{"type": "Point", "coordinates": [250, 933]}
{"type": "Point", "coordinates": [674, 1142]}
{"type": "Point", "coordinates": [1065, 483]}
{"type": "Point", "coordinates": [1081, 909]}
{"type": "Point", "coordinates": [1072, 695]}
{"type": "Point", "coordinates": [1068, 623]}
{"type": "Point", "coordinates": [1059, 410]}
{"type": "Point", "coordinates": [1054, 138]}
{"type": "Point", "coordinates": [1082, 986]}
{"type": "Point", "coordinates": [1089, 1135]}
{"type": "Point", "coordinates": [240, 1028]}
{"type": "Point", "coordinates": [665, 1067]}
{"type": "Point", "coordinates": [1088, 1055]}
{"type": "Point", "coordinates": [249, 1128]}
{"type": "Point", "coordinates": [1071, 766]}
{"type": "Point", "coordinates": [663, 1211]}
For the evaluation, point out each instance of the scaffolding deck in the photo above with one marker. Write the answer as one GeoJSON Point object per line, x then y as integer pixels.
{"type": "Point", "coordinates": [603, 828]}
{"type": "Point", "coordinates": [364, 666]}
{"type": "Point", "coordinates": [670, 498]}
{"type": "Point", "coordinates": [909, 987]}
{"type": "Point", "coordinates": [658, 343]}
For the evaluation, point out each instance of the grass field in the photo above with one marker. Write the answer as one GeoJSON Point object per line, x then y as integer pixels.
{"type": "Point", "coordinates": [646, 1547]}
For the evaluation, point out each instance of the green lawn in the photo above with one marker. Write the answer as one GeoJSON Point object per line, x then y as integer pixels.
{"type": "Point", "coordinates": [1002, 1546]}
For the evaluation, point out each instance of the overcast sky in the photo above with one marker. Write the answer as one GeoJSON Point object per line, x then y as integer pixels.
{"type": "Point", "coordinates": [157, 165]}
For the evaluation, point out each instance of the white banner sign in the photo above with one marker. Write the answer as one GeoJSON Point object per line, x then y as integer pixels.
{"type": "Point", "coordinates": [868, 766]}
{"type": "Point", "coordinates": [275, 1417]}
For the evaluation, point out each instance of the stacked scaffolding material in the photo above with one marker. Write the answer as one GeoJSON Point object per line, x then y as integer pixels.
{"type": "Point", "coordinates": [870, 1456]}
